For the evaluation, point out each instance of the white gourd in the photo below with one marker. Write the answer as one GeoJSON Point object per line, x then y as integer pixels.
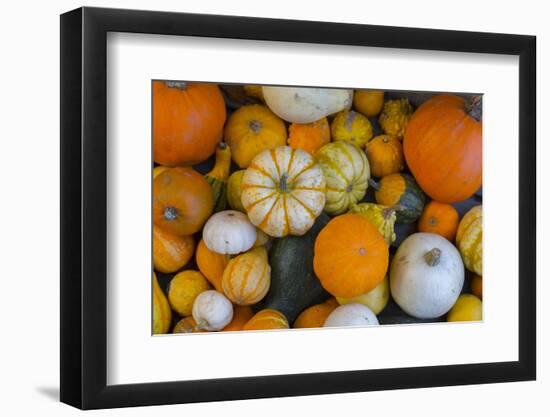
{"type": "Point", "coordinates": [229, 232]}
{"type": "Point", "coordinates": [212, 310]}
{"type": "Point", "coordinates": [426, 275]}
{"type": "Point", "coordinates": [353, 314]}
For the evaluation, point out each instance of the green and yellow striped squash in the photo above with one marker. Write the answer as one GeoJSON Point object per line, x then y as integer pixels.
{"type": "Point", "coordinates": [347, 172]}
{"type": "Point", "coordinates": [382, 217]}
{"type": "Point", "coordinates": [469, 239]}
{"type": "Point", "coordinates": [217, 177]}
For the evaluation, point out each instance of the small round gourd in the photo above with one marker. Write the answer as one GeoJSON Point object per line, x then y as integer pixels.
{"type": "Point", "coordinates": [212, 311]}
{"type": "Point", "coordinates": [439, 218]}
{"type": "Point", "coordinates": [469, 239]}
{"type": "Point", "coordinates": [247, 277]}
{"type": "Point", "coordinates": [385, 155]}
{"type": "Point", "coordinates": [467, 308]}
{"type": "Point", "coordinates": [306, 105]}
{"type": "Point", "coordinates": [350, 315]}
{"type": "Point", "coordinates": [351, 126]}
{"type": "Point", "coordinates": [426, 275]}
{"type": "Point", "coordinates": [184, 289]}
{"type": "Point", "coordinates": [395, 117]}
{"type": "Point", "coordinates": [229, 232]}
{"type": "Point", "coordinates": [368, 102]}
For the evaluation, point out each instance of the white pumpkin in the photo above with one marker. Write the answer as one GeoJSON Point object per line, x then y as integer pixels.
{"type": "Point", "coordinates": [353, 314]}
{"type": "Point", "coordinates": [283, 191]}
{"type": "Point", "coordinates": [212, 311]}
{"type": "Point", "coordinates": [375, 299]}
{"type": "Point", "coordinates": [229, 232]}
{"type": "Point", "coordinates": [426, 275]}
{"type": "Point", "coordinates": [306, 105]}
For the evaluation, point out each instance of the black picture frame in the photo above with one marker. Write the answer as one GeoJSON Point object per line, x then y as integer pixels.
{"type": "Point", "coordinates": [84, 207]}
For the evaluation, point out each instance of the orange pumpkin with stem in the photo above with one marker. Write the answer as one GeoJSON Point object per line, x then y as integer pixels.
{"type": "Point", "coordinates": [439, 218]}
{"type": "Point", "coordinates": [350, 256]}
{"type": "Point", "coordinates": [211, 264]}
{"type": "Point", "coordinates": [182, 201]}
{"type": "Point", "coordinates": [309, 136]}
{"type": "Point", "coordinates": [171, 252]}
{"type": "Point", "coordinates": [443, 147]}
{"type": "Point", "coordinates": [188, 121]}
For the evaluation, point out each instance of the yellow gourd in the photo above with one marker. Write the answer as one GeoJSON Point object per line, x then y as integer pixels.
{"type": "Point", "coordinates": [234, 190]}
{"type": "Point", "coordinates": [467, 308]}
{"type": "Point", "coordinates": [183, 290]}
{"type": "Point", "coordinates": [469, 240]}
{"type": "Point", "coordinates": [368, 102]}
{"type": "Point", "coordinates": [395, 117]}
{"type": "Point", "coordinates": [352, 127]}
{"type": "Point", "coordinates": [382, 217]}
{"type": "Point", "coordinates": [162, 315]}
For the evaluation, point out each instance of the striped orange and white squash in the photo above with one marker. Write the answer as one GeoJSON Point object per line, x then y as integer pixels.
{"type": "Point", "coordinates": [267, 319]}
{"type": "Point", "coordinates": [283, 191]}
{"type": "Point", "coordinates": [469, 239]}
{"type": "Point", "coordinates": [247, 277]}
{"type": "Point", "coordinates": [346, 171]}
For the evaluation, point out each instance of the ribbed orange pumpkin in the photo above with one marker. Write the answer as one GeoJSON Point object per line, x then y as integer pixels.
{"type": "Point", "coordinates": [188, 121]}
{"type": "Point", "coordinates": [267, 319]}
{"type": "Point", "coordinates": [309, 136]}
{"type": "Point", "coordinates": [439, 218]}
{"type": "Point", "coordinates": [171, 252]}
{"type": "Point", "coordinates": [182, 201]}
{"type": "Point", "coordinates": [443, 147]}
{"type": "Point", "coordinates": [350, 256]}
{"type": "Point", "coordinates": [315, 316]}
{"type": "Point", "coordinates": [247, 277]}
{"type": "Point", "coordinates": [211, 264]}
{"type": "Point", "coordinates": [241, 315]}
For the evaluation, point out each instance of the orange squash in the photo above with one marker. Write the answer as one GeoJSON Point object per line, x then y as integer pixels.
{"type": "Point", "coordinates": [439, 218]}
{"type": "Point", "coordinates": [182, 201]}
{"type": "Point", "coordinates": [309, 136]}
{"type": "Point", "coordinates": [385, 155]}
{"type": "Point", "coordinates": [188, 121]}
{"type": "Point", "coordinates": [443, 147]}
{"type": "Point", "coordinates": [211, 264]}
{"type": "Point", "coordinates": [315, 315]}
{"type": "Point", "coordinates": [252, 129]}
{"type": "Point", "coordinates": [241, 315]}
{"type": "Point", "coordinates": [368, 102]}
{"type": "Point", "coordinates": [350, 256]}
{"type": "Point", "coordinates": [171, 252]}
{"type": "Point", "coordinates": [267, 319]}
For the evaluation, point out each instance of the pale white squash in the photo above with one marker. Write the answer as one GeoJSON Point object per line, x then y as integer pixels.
{"type": "Point", "coordinates": [306, 105]}
{"type": "Point", "coordinates": [375, 299]}
{"type": "Point", "coordinates": [426, 275]}
{"type": "Point", "coordinates": [283, 191]}
{"type": "Point", "coordinates": [353, 314]}
{"type": "Point", "coordinates": [229, 232]}
{"type": "Point", "coordinates": [212, 311]}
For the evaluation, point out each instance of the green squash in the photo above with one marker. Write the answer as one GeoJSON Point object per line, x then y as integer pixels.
{"type": "Point", "coordinates": [401, 192]}
{"type": "Point", "coordinates": [382, 217]}
{"type": "Point", "coordinates": [294, 286]}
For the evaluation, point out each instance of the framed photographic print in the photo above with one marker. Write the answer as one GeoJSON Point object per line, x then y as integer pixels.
{"type": "Point", "coordinates": [300, 207]}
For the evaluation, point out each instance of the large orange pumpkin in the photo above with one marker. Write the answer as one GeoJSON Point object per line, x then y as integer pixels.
{"type": "Point", "coordinates": [350, 256]}
{"type": "Point", "coordinates": [182, 201]}
{"type": "Point", "coordinates": [442, 147]}
{"type": "Point", "coordinates": [211, 264]}
{"type": "Point", "coordinates": [188, 121]}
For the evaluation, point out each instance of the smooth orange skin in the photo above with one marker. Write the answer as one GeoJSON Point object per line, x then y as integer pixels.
{"type": "Point", "coordinates": [309, 136]}
{"type": "Point", "coordinates": [439, 218]}
{"type": "Point", "coordinates": [350, 256]}
{"type": "Point", "coordinates": [267, 319]}
{"type": "Point", "coordinates": [188, 192]}
{"type": "Point", "coordinates": [171, 252]}
{"type": "Point", "coordinates": [241, 315]}
{"type": "Point", "coordinates": [477, 286]}
{"type": "Point", "coordinates": [368, 102]}
{"type": "Point", "coordinates": [385, 155]}
{"type": "Point", "coordinates": [187, 123]}
{"type": "Point", "coordinates": [211, 264]}
{"type": "Point", "coordinates": [443, 149]}
{"type": "Point", "coordinates": [315, 316]}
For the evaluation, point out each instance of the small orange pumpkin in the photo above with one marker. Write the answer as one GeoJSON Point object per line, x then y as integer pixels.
{"type": "Point", "coordinates": [211, 264]}
{"type": "Point", "coordinates": [171, 252]}
{"type": "Point", "coordinates": [315, 315]}
{"type": "Point", "coordinates": [439, 218]}
{"type": "Point", "coordinates": [350, 256]}
{"type": "Point", "coordinates": [252, 129]}
{"type": "Point", "coordinates": [241, 315]}
{"type": "Point", "coordinates": [443, 147]}
{"type": "Point", "coordinates": [267, 319]}
{"type": "Point", "coordinates": [188, 120]}
{"type": "Point", "coordinates": [182, 201]}
{"type": "Point", "coordinates": [385, 155]}
{"type": "Point", "coordinates": [368, 102]}
{"type": "Point", "coordinates": [309, 136]}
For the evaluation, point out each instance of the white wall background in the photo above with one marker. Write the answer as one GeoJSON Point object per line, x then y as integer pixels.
{"type": "Point", "coordinates": [29, 209]}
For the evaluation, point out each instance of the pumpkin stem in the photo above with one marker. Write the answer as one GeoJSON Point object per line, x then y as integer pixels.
{"type": "Point", "coordinates": [283, 186]}
{"type": "Point", "coordinates": [182, 85]}
{"type": "Point", "coordinates": [374, 184]}
{"type": "Point", "coordinates": [388, 211]}
{"type": "Point", "coordinates": [255, 126]}
{"type": "Point", "coordinates": [432, 257]}
{"type": "Point", "coordinates": [222, 145]}
{"type": "Point", "coordinates": [474, 107]}
{"type": "Point", "coordinates": [170, 213]}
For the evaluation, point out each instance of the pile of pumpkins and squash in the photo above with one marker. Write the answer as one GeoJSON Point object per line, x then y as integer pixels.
{"type": "Point", "coordinates": [292, 207]}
